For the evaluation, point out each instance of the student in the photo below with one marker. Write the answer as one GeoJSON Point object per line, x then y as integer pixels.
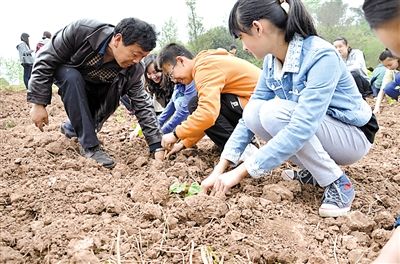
{"type": "Point", "coordinates": [94, 64]}
{"type": "Point", "coordinates": [157, 84]}
{"type": "Point", "coordinates": [386, 60]}
{"type": "Point", "coordinates": [384, 18]}
{"type": "Point", "coordinates": [355, 62]}
{"type": "Point", "coordinates": [224, 84]}
{"type": "Point", "coordinates": [390, 80]}
{"type": "Point", "coordinates": [25, 57]}
{"type": "Point", "coordinates": [314, 117]}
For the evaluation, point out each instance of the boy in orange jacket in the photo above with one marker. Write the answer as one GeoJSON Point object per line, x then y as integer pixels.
{"type": "Point", "coordinates": [224, 84]}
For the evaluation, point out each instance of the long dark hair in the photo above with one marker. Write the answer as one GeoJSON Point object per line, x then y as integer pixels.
{"type": "Point", "coordinates": [162, 90]}
{"type": "Point", "coordinates": [298, 20]}
{"type": "Point", "coordinates": [378, 12]}
{"type": "Point", "coordinates": [25, 38]}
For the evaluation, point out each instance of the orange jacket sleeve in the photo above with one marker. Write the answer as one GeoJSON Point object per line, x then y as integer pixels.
{"type": "Point", "coordinates": [209, 84]}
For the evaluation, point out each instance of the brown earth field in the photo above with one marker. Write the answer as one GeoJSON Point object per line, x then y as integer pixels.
{"type": "Point", "coordinates": [58, 207]}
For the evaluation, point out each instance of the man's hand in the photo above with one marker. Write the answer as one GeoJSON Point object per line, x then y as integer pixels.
{"type": "Point", "coordinates": [175, 149]}
{"type": "Point", "coordinates": [168, 140]}
{"type": "Point", "coordinates": [39, 116]}
{"type": "Point", "coordinates": [159, 155]}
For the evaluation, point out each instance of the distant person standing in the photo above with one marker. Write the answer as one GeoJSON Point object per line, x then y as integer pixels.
{"type": "Point", "coordinates": [233, 49]}
{"type": "Point", "coordinates": [25, 57]}
{"type": "Point", "coordinates": [46, 37]}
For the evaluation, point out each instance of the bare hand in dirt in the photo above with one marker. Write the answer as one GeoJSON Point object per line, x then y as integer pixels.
{"type": "Point", "coordinates": [175, 149]}
{"type": "Point", "coordinates": [168, 140]}
{"type": "Point", "coordinates": [159, 155]}
{"type": "Point", "coordinates": [39, 116]}
{"type": "Point", "coordinates": [377, 111]}
{"type": "Point", "coordinates": [229, 179]}
{"type": "Point", "coordinates": [208, 183]}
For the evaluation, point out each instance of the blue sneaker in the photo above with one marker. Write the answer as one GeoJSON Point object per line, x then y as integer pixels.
{"type": "Point", "coordinates": [397, 223]}
{"type": "Point", "coordinates": [67, 129]}
{"type": "Point", "coordinates": [337, 198]}
{"type": "Point", "coordinates": [303, 176]}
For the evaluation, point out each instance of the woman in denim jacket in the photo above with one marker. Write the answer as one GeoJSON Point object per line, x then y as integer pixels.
{"type": "Point", "coordinates": [306, 106]}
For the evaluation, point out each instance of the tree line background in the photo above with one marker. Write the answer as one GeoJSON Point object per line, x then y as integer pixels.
{"type": "Point", "coordinates": [333, 19]}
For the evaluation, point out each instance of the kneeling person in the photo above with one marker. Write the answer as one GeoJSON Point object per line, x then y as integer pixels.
{"type": "Point", "coordinates": [224, 84]}
{"type": "Point", "coordinates": [94, 64]}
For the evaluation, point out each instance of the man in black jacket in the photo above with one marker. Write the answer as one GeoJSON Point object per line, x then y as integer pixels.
{"type": "Point", "coordinates": [94, 64]}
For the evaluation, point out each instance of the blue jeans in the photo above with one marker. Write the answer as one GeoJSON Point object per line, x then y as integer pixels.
{"type": "Point", "coordinates": [392, 89]}
{"type": "Point", "coordinates": [27, 73]}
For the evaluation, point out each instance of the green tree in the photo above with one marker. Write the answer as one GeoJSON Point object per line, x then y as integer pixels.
{"type": "Point", "coordinates": [11, 70]}
{"type": "Point", "coordinates": [169, 32]}
{"type": "Point", "coordinates": [217, 37]}
{"type": "Point", "coordinates": [195, 25]}
{"type": "Point", "coordinates": [336, 19]}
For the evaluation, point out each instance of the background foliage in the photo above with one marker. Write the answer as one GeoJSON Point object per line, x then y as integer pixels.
{"type": "Point", "coordinates": [333, 18]}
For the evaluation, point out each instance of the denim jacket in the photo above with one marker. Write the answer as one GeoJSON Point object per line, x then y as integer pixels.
{"type": "Point", "coordinates": [177, 110]}
{"type": "Point", "coordinates": [313, 75]}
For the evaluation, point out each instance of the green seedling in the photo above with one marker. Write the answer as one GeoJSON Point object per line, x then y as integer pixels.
{"type": "Point", "coordinates": [185, 189]}
{"type": "Point", "coordinates": [137, 131]}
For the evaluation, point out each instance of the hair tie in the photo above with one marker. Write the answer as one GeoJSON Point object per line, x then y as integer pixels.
{"type": "Point", "coordinates": [285, 6]}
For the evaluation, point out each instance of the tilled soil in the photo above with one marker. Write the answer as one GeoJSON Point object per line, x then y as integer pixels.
{"type": "Point", "coordinates": [58, 207]}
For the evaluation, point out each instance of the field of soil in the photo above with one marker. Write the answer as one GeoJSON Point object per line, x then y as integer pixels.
{"type": "Point", "coordinates": [58, 207]}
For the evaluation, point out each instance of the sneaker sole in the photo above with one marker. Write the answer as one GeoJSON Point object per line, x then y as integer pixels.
{"type": "Point", "coordinates": [62, 130]}
{"type": "Point", "coordinates": [287, 175]}
{"type": "Point", "coordinates": [108, 166]}
{"type": "Point", "coordinates": [333, 212]}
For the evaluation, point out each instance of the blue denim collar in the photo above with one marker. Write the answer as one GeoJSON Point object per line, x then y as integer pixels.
{"type": "Point", "coordinates": [292, 59]}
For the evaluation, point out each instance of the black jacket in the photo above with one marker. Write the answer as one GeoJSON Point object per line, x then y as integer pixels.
{"type": "Point", "coordinates": [71, 46]}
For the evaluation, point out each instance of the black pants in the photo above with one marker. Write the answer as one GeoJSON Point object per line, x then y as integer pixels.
{"type": "Point", "coordinates": [228, 118]}
{"type": "Point", "coordinates": [27, 73]}
{"type": "Point", "coordinates": [81, 100]}
{"type": "Point", "coordinates": [362, 84]}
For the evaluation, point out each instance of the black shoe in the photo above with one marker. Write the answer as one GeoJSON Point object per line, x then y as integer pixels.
{"type": "Point", "coordinates": [303, 176]}
{"type": "Point", "coordinates": [67, 129]}
{"type": "Point", "coordinates": [99, 155]}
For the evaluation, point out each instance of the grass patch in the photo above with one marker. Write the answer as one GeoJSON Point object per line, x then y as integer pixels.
{"type": "Point", "coordinates": [12, 88]}
{"type": "Point", "coordinates": [8, 124]}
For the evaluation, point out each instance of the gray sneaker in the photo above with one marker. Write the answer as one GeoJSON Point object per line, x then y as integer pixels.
{"type": "Point", "coordinates": [67, 129]}
{"type": "Point", "coordinates": [338, 197]}
{"type": "Point", "coordinates": [303, 176]}
{"type": "Point", "coordinates": [99, 155]}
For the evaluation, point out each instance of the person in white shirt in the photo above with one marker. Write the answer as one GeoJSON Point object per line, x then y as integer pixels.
{"type": "Point", "coordinates": [355, 62]}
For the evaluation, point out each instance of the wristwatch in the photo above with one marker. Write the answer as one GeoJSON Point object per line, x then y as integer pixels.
{"type": "Point", "coordinates": [174, 133]}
